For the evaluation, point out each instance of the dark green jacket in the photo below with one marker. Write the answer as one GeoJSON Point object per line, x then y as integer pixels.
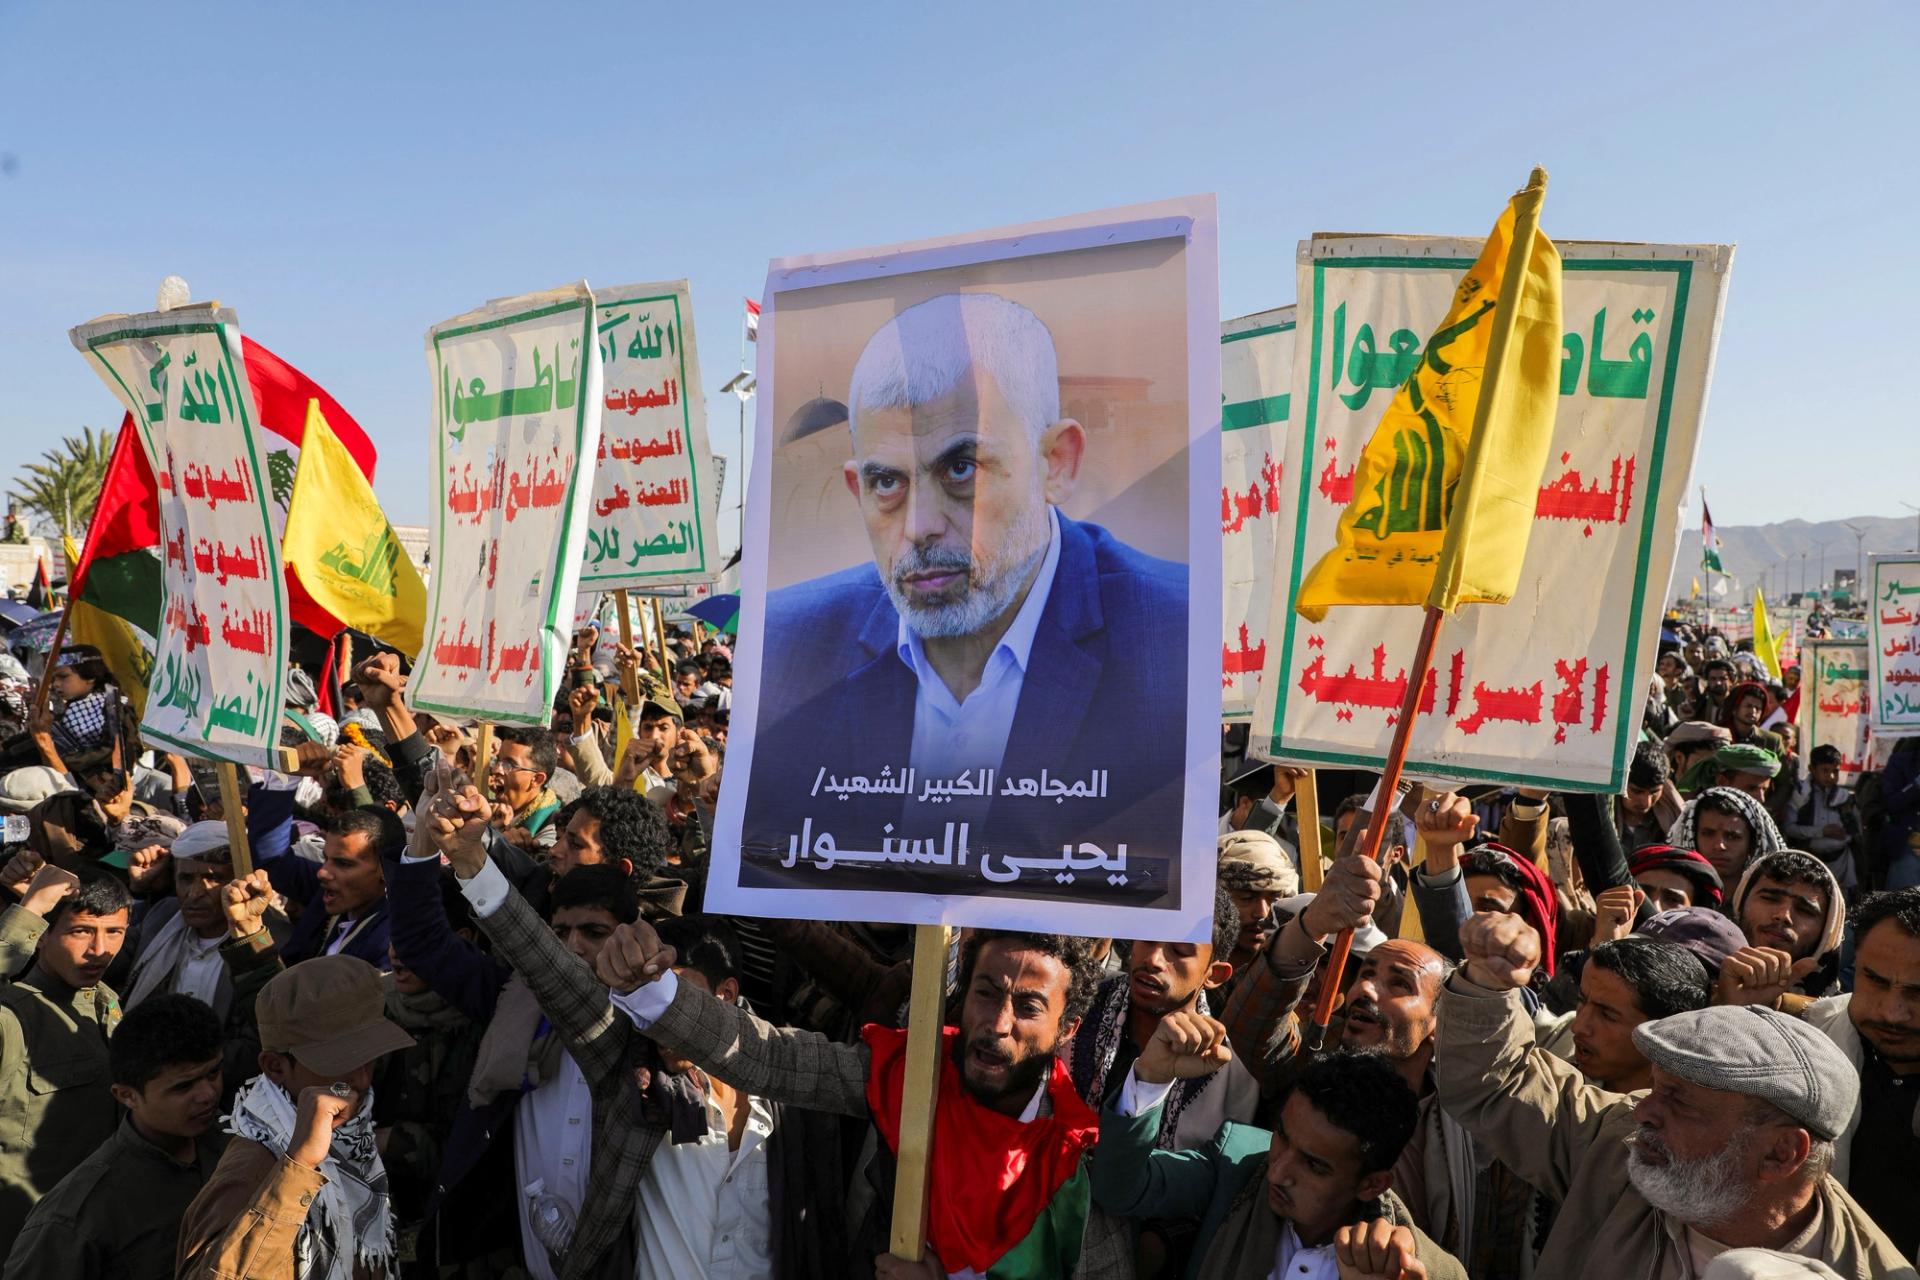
{"type": "Point", "coordinates": [116, 1216]}
{"type": "Point", "coordinates": [55, 1104]}
{"type": "Point", "coordinates": [1221, 1185]}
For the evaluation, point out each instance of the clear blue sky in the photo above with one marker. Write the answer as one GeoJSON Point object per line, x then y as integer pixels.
{"type": "Point", "coordinates": [347, 174]}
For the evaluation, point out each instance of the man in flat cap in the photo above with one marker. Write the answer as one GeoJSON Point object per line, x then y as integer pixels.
{"type": "Point", "coordinates": [300, 1192]}
{"type": "Point", "coordinates": [1729, 1149]}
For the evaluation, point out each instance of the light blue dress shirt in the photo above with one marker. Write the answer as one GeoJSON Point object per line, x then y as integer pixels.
{"type": "Point", "coordinates": [950, 735]}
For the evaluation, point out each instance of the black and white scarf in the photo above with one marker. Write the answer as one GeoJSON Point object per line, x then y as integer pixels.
{"type": "Point", "coordinates": [1097, 1042]}
{"type": "Point", "coordinates": [350, 1220]}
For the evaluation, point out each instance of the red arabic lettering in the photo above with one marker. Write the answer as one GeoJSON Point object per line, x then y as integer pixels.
{"type": "Point", "coordinates": [1565, 499]}
{"type": "Point", "coordinates": [1244, 660]}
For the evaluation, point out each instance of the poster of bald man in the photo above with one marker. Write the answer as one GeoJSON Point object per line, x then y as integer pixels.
{"type": "Point", "coordinates": [976, 680]}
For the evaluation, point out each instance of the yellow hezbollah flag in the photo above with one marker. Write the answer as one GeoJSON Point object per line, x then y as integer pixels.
{"type": "Point", "coordinates": [126, 654]}
{"type": "Point", "coordinates": [1444, 495]}
{"type": "Point", "coordinates": [339, 544]}
{"type": "Point", "coordinates": [1763, 644]}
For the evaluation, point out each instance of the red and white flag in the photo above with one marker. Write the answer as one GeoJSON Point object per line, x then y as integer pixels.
{"type": "Point", "coordinates": [753, 320]}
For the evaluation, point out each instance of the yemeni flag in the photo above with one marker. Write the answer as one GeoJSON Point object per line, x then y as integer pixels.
{"type": "Point", "coordinates": [1709, 541]}
{"type": "Point", "coordinates": [127, 518]}
{"type": "Point", "coordinates": [753, 320]}
{"type": "Point", "coordinates": [40, 594]}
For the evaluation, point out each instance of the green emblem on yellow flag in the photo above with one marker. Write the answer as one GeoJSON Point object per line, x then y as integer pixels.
{"type": "Point", "coordinates": [339, 544]}
{"type": "Point", "coordinates": [1443, 499]}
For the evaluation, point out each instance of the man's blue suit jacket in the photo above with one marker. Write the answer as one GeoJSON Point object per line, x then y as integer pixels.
{"type": "Point", "coordinates": [1105, 688]}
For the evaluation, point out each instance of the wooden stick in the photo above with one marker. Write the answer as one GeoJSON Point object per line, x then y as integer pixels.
{"type": "Point", "coordinates": [660, 635]}
{"type": "Point", "coordinates": [1306, 805]}
{"type": "Point", "coordinates": [1383, 810]}
{"type": "Point", "coordinates": [1410, 927]}
{"type": "Point", "coordinates": [629, 678]}
{"type": "Point", "coordinates": [53, 658]}
{"type": "Point", "coordinates": [926, 1016]}
{"type": "Point", "coordinates": [233, 805]}
{"type": "Point", "coordinates": [482, 753]}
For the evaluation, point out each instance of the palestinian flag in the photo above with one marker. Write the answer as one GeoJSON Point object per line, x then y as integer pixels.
{"type": "Point", "coordinates": [1007, 1199]}
{"type": "Point", "coordinates": [1709, 541]}
{"type": "Point", "coordinates": [115, 583]}
{"type": "Point", "coordinates": [40, 594]}
{"type": "Point", "coordinates": [128, 515]}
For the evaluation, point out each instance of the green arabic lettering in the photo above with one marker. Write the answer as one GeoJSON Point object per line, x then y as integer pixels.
{"type": "Point", "coordinates": [1620, 379]}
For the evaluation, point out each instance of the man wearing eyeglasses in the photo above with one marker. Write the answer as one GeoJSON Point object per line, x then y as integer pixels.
{"type": "Point", "coordinates": [524, 805]}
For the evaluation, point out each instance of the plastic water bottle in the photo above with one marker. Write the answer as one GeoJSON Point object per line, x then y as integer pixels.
{"type": "Point", "coordinates": [552, 1218]}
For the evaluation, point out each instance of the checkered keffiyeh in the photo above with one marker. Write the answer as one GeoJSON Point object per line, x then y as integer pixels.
{"type": "Point", "coordinates": [82, 726]}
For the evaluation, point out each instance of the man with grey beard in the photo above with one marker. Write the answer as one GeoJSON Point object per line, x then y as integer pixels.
{"type": "Point", "coordinates": [1729, 1149]}
{"type": "Point", "coordinates": [990, 631]}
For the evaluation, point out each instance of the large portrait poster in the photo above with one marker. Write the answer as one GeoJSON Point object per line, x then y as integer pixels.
{"type": "Point", "coordinates": [651, 519]}
{"type": "Point", "coordinates": [1893, 619]}
{"type": "Point", "coordinates": [976, 680]}
{"type": "Point", "coordinates": [516, 415]}
{"type": "Point", "coordinates": [1833, 703]}
{"type": "Point", "coordinates": [1256, 370]}
{"type": "Point", "coordinates": [1547, 690]}
{"type": "Point", "coordinates": [221, 653]}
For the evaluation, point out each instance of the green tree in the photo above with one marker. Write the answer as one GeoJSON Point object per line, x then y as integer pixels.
{"type": "Point", "coordinates": [65, 484]}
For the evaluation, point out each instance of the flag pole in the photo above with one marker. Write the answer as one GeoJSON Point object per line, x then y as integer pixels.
{"type": "Point", "coordinates": [53, 651]}
{"type": "Point", "coordinates": [926, 1017]}
{"type": "Point", "coordinates": [1316, 1032]}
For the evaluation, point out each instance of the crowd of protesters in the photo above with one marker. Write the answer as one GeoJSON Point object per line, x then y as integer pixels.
{"type": "Point", "coordinates": [466, 1017]}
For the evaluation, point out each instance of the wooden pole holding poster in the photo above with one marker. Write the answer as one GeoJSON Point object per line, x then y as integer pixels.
{"type": "Point", "coordinates": [629, 676]}
{"type": "Point", "coordinates": [1316, 1032]}
{"type": "Point", "coordinates": [926, 1016]}
{"type": "Point", "coordinates": [482, 753]}
{"type": "Point", "coordinates": [660, 635]}
{"type": "Point", "coordinates": [233, 806]}
{"type": "Point", "coordinates": [1306, 801]}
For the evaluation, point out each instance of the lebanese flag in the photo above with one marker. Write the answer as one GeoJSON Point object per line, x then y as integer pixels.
{"type": "Point", "coordinates": [753, 320]}
{"type": "Point", "coordinates": [127, 517]}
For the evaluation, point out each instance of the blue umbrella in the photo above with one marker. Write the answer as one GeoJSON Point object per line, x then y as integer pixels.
{"type": "Point", "coordinates": [721, 612]}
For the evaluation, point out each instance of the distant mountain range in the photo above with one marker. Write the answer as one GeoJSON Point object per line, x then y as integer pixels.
{"type": "Point", "coordinates": [1770, 554]}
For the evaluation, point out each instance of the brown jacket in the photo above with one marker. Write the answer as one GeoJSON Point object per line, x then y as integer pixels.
{"type": "Point", "coordinates": [1569, 1139]}
{"type": "Point", "coordinates": [243, 1223]}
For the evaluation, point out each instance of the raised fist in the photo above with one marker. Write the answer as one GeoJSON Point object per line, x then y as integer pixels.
{"type": "Point", "coordinates": [1183, 1046]}
{"type": "Point", "coordinates": [1760, 975]}
{"type": "Point", "coordinates": [245, 900]}
{"type": "Point", "coordinates": [1347, 897]}
{"type": "Point", "coordinates": [632, 957]}
{"type": "Point", "coordinates": [1501, 950]}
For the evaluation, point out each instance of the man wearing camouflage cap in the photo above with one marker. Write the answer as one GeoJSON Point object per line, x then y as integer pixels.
{"type": "Point", "coordinates": [1729, 1149]}
{"type": "Point", "coordinates": [1258, 872]}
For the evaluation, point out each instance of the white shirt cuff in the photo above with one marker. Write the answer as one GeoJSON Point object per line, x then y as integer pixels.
{"type": "Point", "coordinates": [1444, 880]}
{"type": "Point", "coordinates": [487, 890]}
{"type": "Point", "coordinates": [579, 738]}
{"type": "Point", "coordinates": [645, 1005]}
{"type": "Point", "coordinates": [1136, 1095]}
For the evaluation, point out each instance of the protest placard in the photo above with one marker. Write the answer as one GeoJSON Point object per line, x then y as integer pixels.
{"type": "Point", "coordinates": [516, 412]}
{"type": "Point", "coordinates": [1833, 703]}
{"type": "Point", "coordinates": [1893, 643]}
{"type": "Point", "coordinates": [1546, 691]}
{"type": "Point", "coordinates": [653, 510]}
{"type": "Point", "coordinates": [980, 601]}
{"type": "Point", "coordinates": [221, 654]}
{"type": "Point", "coordinates": [1256, 372]}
